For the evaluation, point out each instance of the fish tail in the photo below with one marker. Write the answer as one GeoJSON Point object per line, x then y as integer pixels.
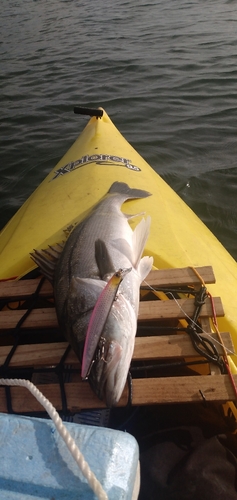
{"type": "Point", "coordinates": [129, 193]}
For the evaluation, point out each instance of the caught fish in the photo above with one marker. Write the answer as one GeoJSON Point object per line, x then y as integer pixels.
{"type": "Point", "coordinates": [95, 250]}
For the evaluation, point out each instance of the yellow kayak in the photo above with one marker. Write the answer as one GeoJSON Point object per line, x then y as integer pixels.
{"type": "Point", "coordinates": [99, 157]}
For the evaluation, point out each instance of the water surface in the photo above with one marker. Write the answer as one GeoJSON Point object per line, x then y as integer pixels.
{"type": "Point", "coordinates": [166, 73]}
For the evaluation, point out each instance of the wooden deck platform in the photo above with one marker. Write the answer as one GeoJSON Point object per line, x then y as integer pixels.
{"type": "Point", "coordinates": [158, 349]}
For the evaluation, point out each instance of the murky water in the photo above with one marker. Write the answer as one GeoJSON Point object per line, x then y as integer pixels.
{"type": "Point", "coordinates": [166, 73]}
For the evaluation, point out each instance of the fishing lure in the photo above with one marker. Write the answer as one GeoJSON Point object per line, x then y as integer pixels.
{"type": "Point", "coordinates": [98, 319]}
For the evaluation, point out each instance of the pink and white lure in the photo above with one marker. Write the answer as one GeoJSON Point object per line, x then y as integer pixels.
{"type": "Point", "coordinates": [98, 319]}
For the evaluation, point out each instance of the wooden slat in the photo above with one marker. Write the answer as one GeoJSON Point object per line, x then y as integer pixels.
{"type": "Point", "coordinates": [22, 289]}
{"type": "Point", "coordinates": [38, 355]}
{"type": "Point", "coordinates": [145, 392]}
{"type": "Point", "coordinates": [183, 389]}
{"type": "Point", "coordinates": [180, 309]}
{"type": "Point", "coordinates": [169, 309]}
{"type": "Point", "coordinates": [38, 318]}
{"type": "Point", "coordinates": [146, 348]}
{"type": "Point", "coordinates": [15, 290]}
{"type": "Point", "coordinates": [173, 346]}
{"type": "Point", "coordinates": [79, 395]}
{"type": "Point", "coordinates": [180, 276]}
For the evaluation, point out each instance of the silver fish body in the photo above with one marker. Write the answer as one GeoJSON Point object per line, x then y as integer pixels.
{"type": "Point", "coordinates": [97, 247]}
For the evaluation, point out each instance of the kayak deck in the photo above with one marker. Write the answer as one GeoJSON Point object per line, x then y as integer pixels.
{"type": "Point", "coordinates": [165, 368]}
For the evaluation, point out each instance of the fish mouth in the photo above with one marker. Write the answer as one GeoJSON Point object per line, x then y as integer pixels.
{"type": "Point", "coordinates": [106, 378]}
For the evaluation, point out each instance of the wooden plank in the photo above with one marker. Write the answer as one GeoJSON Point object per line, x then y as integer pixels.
{"type": "Point", "coordinates": [145, 392]}
{"type": "Point", "coordinates": [173, 346]}
{"type": "Point", "coordinates": [38, 355]}
{"type": "Point", "coordinates": [79, 396]}
{"type": "Point", "coordinates": [146, 348]}
{"type": "Point", "coordinates": [152, 310]}
{"type": "Point", "coordinates": [38, 318]}
{"type": "Point", "coordinates": [180, 276]}
{"type": "Point", "coordinates": [181, 308]}
{"type": "Point", "coordinates": [15, 290]}
{"type": "Point", "coordinates": [183, 389]}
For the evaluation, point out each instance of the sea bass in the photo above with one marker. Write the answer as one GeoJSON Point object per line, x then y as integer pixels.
{"type": "Point", "coordinates": [98, 247]}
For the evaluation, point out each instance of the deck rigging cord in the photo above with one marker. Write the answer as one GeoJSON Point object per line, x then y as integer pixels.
{"type": "Point", "coordinates": [220, 342]}
{"type": "Point", "coordinates": [226, 358]}
{"type": "Point", "coordinates": [204, 346]}
{"type": "Point", "coordinates": [193, 323]}
{"type": "Point", "coordinates": [64, 433]}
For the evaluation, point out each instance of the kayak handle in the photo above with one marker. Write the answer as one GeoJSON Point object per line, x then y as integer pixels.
{"type": "Point", "coordinates": [78, 110]}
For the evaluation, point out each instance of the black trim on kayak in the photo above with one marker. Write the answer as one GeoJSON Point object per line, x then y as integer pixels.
{"type": "Point", "coordinates": [78, 110]}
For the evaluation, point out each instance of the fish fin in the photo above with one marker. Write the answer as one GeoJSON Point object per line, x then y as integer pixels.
{"type": "Point", "coordinates": [123, 247]}
{"type": "Point", "coordinates": [47, 259]}
{"type": "Point", "coordinates": [145, 266]}
{"type": "Point", "coordinates": [84, 292]}
{"type": "Point", "coordinates": [132, 216]}
{"type": "Point", "coordinates": [69, 229]}
{"type": "Point", "coordinates": [140, 235]}
{"type": "Point", "coordinates": [129, 193]}
{"type": "Point", "coordinates": [81, 299]}
{"type": "Point", "coordinates": [103, 260]}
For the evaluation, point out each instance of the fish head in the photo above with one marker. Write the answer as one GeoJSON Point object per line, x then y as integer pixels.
{"type": "Point", "coordinates": [111, 364]}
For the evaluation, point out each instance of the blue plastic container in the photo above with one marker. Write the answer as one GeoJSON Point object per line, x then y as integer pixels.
{"type": "Point", "coordinates": [36, 464]}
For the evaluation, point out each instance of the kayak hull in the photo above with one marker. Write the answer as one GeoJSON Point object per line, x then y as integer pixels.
{"type": "Point", "coordinates": [99, 157]}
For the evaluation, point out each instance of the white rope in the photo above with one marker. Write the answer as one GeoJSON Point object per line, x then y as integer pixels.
{"type": "Point", "coordinates": [190, 319]}
{"type": "Point", "coordinates": [69, 441]}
